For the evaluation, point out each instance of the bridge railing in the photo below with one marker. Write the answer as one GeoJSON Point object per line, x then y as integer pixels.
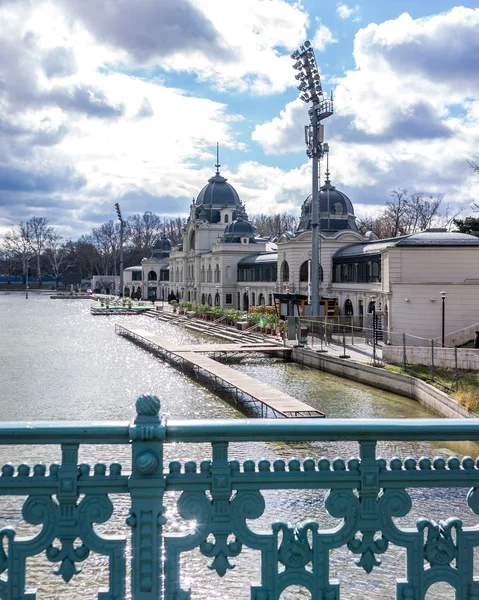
{"type": "Point", "coordinates": [223, 495]}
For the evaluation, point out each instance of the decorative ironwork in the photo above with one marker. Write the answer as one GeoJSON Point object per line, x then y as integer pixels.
{"type": "Point", "coordinates": [222, 496]}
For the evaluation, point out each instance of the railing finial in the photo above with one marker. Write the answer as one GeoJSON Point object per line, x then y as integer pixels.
{"type": "Point", "coordinates": [148, 406]}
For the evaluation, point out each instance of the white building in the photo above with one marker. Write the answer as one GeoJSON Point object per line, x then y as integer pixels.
{"type": "Point", "coordinates": [223, 262]}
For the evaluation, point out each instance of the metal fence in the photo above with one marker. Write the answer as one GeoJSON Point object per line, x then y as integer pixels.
{"type": "Point", "coordinates": [447, 366]}
{"type": "Point", "coordinates": [224, 497]}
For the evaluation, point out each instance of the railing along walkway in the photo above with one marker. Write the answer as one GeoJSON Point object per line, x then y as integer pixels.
{"type": "Point", "coordinates": [267, 397]}
{"type": "Point", "coordinates": [223, 496]}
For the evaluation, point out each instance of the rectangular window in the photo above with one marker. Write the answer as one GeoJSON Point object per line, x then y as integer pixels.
{"type": "Point", "coordinates": [229, 299]}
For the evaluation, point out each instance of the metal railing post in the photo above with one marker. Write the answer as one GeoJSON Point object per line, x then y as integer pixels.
{"type": "Point", "coordinates": [456, 374]}
{"type": "Point", "coordinates": [147, 486]}
{"type": "Point", "coordinates": [432, 360]}
{"type": "Point", "coordinates": [344, 355]}
{"type": "Point", "coordinates": [404, 352]}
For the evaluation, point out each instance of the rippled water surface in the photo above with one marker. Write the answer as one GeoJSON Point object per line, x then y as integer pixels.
{"type": "Point", "coordinates": [59, 362]}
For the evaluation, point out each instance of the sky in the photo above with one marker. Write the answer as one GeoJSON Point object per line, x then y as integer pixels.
{"type": "Point", "coordinates": [105, 101]}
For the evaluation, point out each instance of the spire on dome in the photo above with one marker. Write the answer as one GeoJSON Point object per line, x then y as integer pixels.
{"type": "Point", "coordinates": [217, 158]}
{"type": "Point", "coordinates": [326, 151]}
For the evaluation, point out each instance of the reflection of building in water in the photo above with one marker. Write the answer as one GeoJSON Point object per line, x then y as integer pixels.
{"type": "Point", "coordinates": [222, 261]}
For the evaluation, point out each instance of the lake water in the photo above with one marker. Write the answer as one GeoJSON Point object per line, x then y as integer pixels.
{"type": "Point", "coordinates": [59, 362]}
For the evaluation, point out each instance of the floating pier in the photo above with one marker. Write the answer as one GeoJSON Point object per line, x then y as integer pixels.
{"type": "Point", "coordinates": [194, 359]}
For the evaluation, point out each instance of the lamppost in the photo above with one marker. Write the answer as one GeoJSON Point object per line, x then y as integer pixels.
{"type": "Point", "coordinates": [122, 225]}
{"type": "Point", "coordinates": [217, 297]}
{"type": "Point", "coordinates": [26, 277]}
{"type": "Point", "coordinates": [443, 329]}
{"type": "Point", "coordinates": [373, 301]}
{"type": "Point", "coordinates": [311, 92]}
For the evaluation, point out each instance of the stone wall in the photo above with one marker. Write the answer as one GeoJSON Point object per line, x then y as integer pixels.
{"type": "Point", "coordinates": [404, 385]}
{"type": "Point", "coordinates": [443, 357]}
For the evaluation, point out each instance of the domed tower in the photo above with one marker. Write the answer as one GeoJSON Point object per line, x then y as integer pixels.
{"type": "Point", "coordinates": [336, 212]}
{"type": "Point", "coordinates": [217, 199]}
{"type": "Point", "coordinates": [162, 248]}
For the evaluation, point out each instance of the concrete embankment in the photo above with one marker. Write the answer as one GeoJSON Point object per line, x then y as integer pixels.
{"type": "Point", "coordinates": [405, 385]}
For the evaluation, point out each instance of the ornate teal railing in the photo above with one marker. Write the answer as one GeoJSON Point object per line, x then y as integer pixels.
{"type": "Point", "coordinates": [221, 495]}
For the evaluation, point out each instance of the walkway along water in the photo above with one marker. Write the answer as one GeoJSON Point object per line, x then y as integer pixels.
{"type": "Point", "coordinates": [271, 401]}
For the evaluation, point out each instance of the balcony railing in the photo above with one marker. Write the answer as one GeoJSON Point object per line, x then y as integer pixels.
{"type": "Point", "coordinates": [224, 497]}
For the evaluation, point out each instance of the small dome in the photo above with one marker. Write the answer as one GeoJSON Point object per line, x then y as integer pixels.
{"type": "Point", "coordinates": [162, 248]}
{"type": "Point", "coordinates": [238, 229]}
{"type": "Point", "coordinates": [336, 210]}
{"type": "Point", "coordinates": [162, 244]}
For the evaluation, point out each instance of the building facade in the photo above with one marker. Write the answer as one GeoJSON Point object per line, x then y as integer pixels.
{"type": "Point", "coordinates": [223, 262]}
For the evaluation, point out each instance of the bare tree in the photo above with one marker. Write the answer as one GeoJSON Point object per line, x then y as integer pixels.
{"type": "Point", "coordinates": [17, 243]}
{"type": "Point", "coordinates": [142, 233]}
{"type": "Point", "coordinates": [56, 253]}
{"type": "Point", "coordinates": [106, 240]}
{"type": "Point", "coordinates": [39, 234]}
{"type": "Point", "coordinates": [271, 226]}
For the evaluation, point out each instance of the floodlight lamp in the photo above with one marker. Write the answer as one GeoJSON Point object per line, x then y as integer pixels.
{"type": "Point", "coordinates": [307, 43]}
{"type": "Point", "coordinates": [295, 55]}
{"type": "Point", "coordinates": [298, 65]}
{"type": "Point", "coordinates": [298, 76]}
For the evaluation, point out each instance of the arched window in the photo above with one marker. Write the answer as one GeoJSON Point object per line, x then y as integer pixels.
{"type": "Point", "coordinates": [226, 218]}
{"type": "Point", "coordinates": [152, 276]}
{"type": "Point", "coordinates": [217, 274]}
{"type": "Point", "coordinates": [303, 271]}
{"type": "Point", "coordinates": [203, 299]}
{"type": "Point", "coordinates": [210, 300]}
{"type": "Point", "coordinates": [261, 300]}
{"type": "Point", "coordinates": [209, 274]}
{"type": "Point", "coordinates": [285, 271]}
{"type": "Point", "coordinates": [228, 273]}
{"type": "Point", "coordinates": [203, 274]}
{"type": "Point", "coordinates": [192, 240]}
{"type": "Point", "coordinates": [127, 291]}
{"type": "Point", "coordinates": [348, 308]}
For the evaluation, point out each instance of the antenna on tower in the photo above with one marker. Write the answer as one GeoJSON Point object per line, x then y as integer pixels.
{"type": "Point", "coordinates": [217, 158]}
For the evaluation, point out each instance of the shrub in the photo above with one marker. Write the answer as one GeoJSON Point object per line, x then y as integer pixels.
{"type": "Point", "coordinates": [468, 398]}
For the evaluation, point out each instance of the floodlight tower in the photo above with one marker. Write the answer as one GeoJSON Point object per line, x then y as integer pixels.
{"type": "Point", "coordinates": [122, 226]}
{"type": "Point", "coordinates": [312, 93]}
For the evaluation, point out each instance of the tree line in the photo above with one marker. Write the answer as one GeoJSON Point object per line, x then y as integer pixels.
{"type": "Point", "coordinates": [36, 243]}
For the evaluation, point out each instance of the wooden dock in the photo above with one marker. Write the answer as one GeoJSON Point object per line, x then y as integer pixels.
{"type": "Point", "coordinates": [193, 358]}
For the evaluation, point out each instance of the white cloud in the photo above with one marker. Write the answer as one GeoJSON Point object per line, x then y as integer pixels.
{"type": "Point", "coordinates": [402, 118]}
{"type": "Point", "coordinates": [284, 133]}
{"type": "Point", "coordinates": [347, 12]}
{"type": "Point", "coordinates": [75, 137]}
{"type": "Point", "coordinates": [322, 38]}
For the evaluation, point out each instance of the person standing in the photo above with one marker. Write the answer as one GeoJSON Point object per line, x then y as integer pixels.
{"type": "Point", "coordinates": [476, 341]}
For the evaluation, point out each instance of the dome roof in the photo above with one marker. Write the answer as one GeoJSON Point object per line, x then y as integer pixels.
{"type": "Point", "coordinates": [238, 229]}
{"type": "Point", "coordinates": [162, 248]}
{"type": "Point", "coordinates": [162, 243]}
{"type": "Point", "coordinates": [336, 210]}
{"type": "Point", "coordinates": [218, 193]}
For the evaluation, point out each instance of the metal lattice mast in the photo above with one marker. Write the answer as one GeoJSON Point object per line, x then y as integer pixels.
{"type": "Point", "coordinates": [122, 227]}
{"type": "Point", "coordinates": [312, 93]}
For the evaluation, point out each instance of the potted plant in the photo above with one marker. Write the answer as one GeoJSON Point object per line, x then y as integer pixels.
{"type": "Point", "coordinates": [174, 304]}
